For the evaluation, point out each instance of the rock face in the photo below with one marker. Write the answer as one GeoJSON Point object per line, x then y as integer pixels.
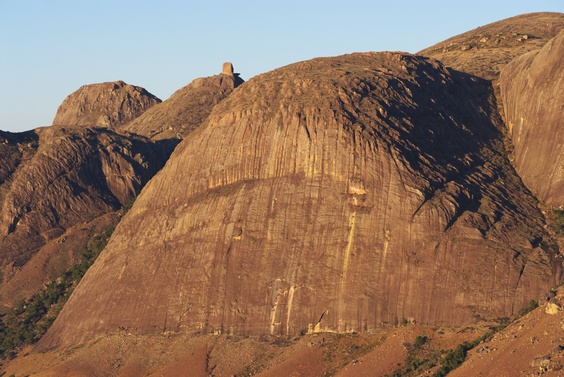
{"type": "Point", "coordinates": [187, 108]}
{"type": "Point", "coordinates": [108, 104]}
{"type": "Point", "coordinates": [14, 148]}
{"type": "Point", "coordinates": [227, 68]}
{"type": "Point", "coordinates": [61, 178]}
{"type": "Point", "coordinates": [338, 194]}
{"type": "Point", "coordinates": [486, 50]}
{"type": "Point", "coordinates": [532, 88]}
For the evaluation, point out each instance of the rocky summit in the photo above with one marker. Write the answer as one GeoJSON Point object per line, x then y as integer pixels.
{"type": "Point", "coordinates": [108, 104]}
{"type": "Point", "coordinates": [339, 194]}
{"type": "Point", "coordinates": [187, 108]}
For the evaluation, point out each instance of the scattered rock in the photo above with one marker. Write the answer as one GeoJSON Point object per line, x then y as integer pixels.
{"type": "Point", "coordinates": [552, 307]}
{"type": "Point", "coordinates": [504, 45]}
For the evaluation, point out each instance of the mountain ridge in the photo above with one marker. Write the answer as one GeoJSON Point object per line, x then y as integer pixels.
{"type": "Point", "coordinates": [322, 200]}
{"type": "Point", "coordinates": [362, 133]}
{"type": "Point", "coordinates": [186, 109]}
{"type": "Point", "coordinates": [68, 175]}
{"type": "Point", "coordinates": [485, 50]}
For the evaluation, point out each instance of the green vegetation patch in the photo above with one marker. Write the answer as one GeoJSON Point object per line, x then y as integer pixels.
{"type": "Point", "coordinates": [29, 319]}
{"type": "Point", "coordinates": [421, 359]}
{"type": "Point", "coordinates": [558, 221]}
{"type": "Point", "coordinates": [529, 308]}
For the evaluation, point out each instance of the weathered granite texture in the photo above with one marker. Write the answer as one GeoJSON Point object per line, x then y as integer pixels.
{"type": "Point", "coordinates": [187, 108]}
{"type": "Point", "coordinates": [532, 88]}
{"type": "Point", "coordinates": [108, 104]}
{"type": "Point", "coordinates": [337, 194]}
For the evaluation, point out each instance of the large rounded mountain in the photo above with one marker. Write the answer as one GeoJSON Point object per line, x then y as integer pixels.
{"type": "Point", "coordinates": [338, 194]}
{"type": "Point", "coordinates": [108, 104]}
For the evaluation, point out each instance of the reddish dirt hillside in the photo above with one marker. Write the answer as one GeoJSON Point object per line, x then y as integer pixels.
{"type": "Point", "coordinates": [127, 355]}
{"type": "Point", "coordinates": [531, 346]}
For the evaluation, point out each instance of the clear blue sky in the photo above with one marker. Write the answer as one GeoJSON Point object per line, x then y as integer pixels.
{"type": "Point", "coordinates": [49, 48]}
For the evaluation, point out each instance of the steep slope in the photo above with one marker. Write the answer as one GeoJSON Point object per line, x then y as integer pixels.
{"type": "Point", "coordinates": [531, 346]}
{"type": "Point", "coordinates": [532, 88]}
{"type": "Point", "coordinates": [74, 176]}
{"type": "Point", "coordinates": [108, 104]}
{"type": "Point", "coordinates": [14, 148]}
{"type": "Point", "coordinates": [486, 50]}
{"type": "Point", "coordinates": [187, 108]}
{"type": "Point", "coordinates": [338, 194]}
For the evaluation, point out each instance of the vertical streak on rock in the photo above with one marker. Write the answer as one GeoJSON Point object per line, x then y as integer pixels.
{"type": "Point", "coordinates": [385, 250]}
{"type": "Point", "coordinates": [341, 305]}
{"type": "Point", "coordinates": [293, 223]}
{"type": "Point", "coordinates": [273, 314]}
{"type": "Point", "coordinates": [352, 222]}
{"type": "Point", "coordinates": [289, 312]}
{"type": "Point", "coordinates": [517, 286]}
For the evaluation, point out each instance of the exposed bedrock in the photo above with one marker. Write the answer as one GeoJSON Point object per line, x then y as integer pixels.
{"type": "Point", "coordinates": [532, 88]}
{"type": "Point", "coordinates": [337, 194]}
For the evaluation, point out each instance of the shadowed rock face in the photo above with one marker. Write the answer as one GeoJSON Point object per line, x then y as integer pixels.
{"type": "Point", "coordinates": [61, 178]}
{"type": "Point", "coordinates": [108, 104]}
{"type": "Point", "coordinates": [338, 194]}
{"type": "Point", "coordinates": [186, 109]}
{"type": "Point", "coordinates": [532, 88]}
{"type": "Point", "coordinates": [486, 50]}
{"type": "Point", "coordinates": [15, 148]}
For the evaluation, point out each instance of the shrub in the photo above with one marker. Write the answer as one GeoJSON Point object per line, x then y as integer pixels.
{"type": "Point", "coordinates": [454, 359]}
{"type": "Point", "coordinates": [558, 221]}
{"type": "Point", "coordinates": [529, 308]}
{"type": "Point", "coordinates": [420, 341]}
